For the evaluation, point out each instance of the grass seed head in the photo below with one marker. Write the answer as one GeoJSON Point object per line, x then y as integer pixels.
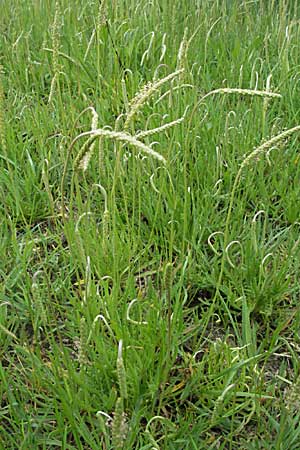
{"type": "Point", "coordinates": [83, 164]}
{"type": "Point", "coordinates": [56, 38]}
{"type": "Point", "coordinates": [101, 16]}
{"type": "Point", "coordinates": [116, 136]}
{"type": "Point", "coordinates": [181, 57]}
{"type": "Point", "coordinates": [145, 93]}
{"type": "Point", "coordinates": [119, 426]}
{"type": "Point", "coordinates": [265, 146]}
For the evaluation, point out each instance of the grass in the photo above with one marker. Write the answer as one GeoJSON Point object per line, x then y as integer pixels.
{"type": "Point", "coordinates": [149, 225]}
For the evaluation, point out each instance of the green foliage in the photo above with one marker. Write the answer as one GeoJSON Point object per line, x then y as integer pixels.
{"type": "Point", "coordinates": [166, 224]}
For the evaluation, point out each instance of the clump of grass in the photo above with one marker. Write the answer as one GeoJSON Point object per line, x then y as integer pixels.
{"type": "Point", "coordinates": [84, 155]}
{"type": "Point", "coordinates": [253, 156]}
{"type": "Point", "coordinates": [158, 212]}
{"type": "Point", "coordinates": [102, 133]}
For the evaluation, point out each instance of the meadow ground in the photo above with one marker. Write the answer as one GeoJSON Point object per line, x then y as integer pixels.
{"type": "Point", "coordinates": [149, 224]}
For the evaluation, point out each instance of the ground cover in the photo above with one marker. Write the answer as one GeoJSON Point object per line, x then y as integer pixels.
{"type": "Point", "coordinates": [149, 224]}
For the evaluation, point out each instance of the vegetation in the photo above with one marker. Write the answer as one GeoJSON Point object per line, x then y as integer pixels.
{"type": "Point", "coordinates": [149, 226]}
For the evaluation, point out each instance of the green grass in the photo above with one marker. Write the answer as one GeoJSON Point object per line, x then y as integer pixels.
{"type": "Point", "coordinates": [149, 303]}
